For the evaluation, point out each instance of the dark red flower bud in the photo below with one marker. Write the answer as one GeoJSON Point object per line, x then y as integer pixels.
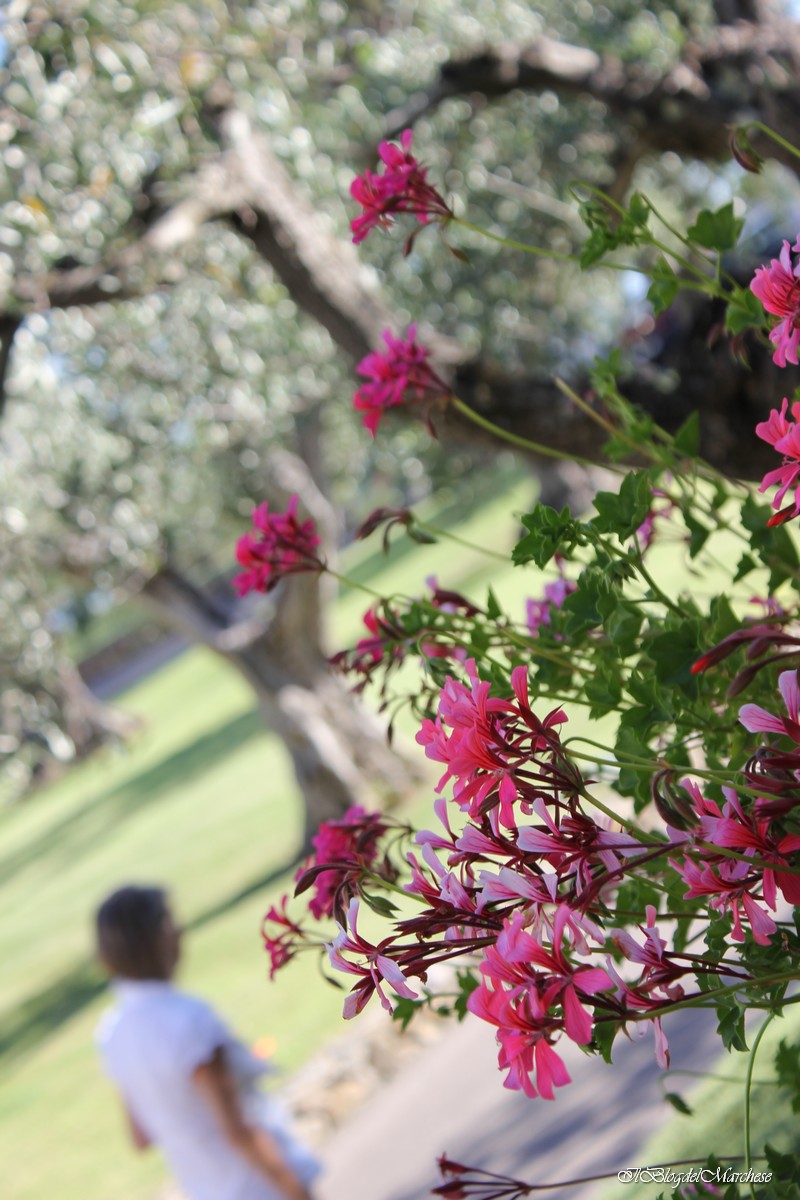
{"type": "Point", "coordinates": [743, 152]}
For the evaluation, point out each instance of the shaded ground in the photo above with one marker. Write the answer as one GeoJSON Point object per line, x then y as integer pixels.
{"type": "Point", "coordinates": [450, 1099]}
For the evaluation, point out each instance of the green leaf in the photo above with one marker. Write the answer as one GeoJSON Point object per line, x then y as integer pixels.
{"type": "Point", "coordinates": [744, 311]}
{"type": "Point", "coordinates": [787, 1069]}
{"type": "Point", "coordinates": [595, 247]}
{"type": "Point", "coordinates": [580, 610]}
{"type": "Point", "coordinates": [673, 653]}
{"type": "Point", "coordinates": [622, 513]}
{"type": "Point", "coordinates": [664, 287]}
{"type": "Point", "coordinates": [632, 781]}
{"type": "Point", "coordinates": [746, 564]}
{"type": "Point", "coordinates": [646, 690]}
{"type": "Point", "coordinates": [723, 620]}
{"type": "Point", "coordinates": [603, 1036]}
{"type": "Point", "coordinates": [603, 691]}
{"type": "Point", "coordinates": [639, 210]}
{"type": "Point", "coordinates": [774, 546]}
{"type": "Point", "coordinates": [678, 1103]}
{"type": "Point", "coordinates": [687, 439]}
{"type": "Point", "coordinates": [622, 627]}
{"type": "Point", "coordinates": [548, 532]}
{"type": "Point", "coordinates": [604, 371]}
{"type": "Point", "coordinates": [700, 533]}
{"type": "Point", "coordinates": [405, 1009]}
{"type": "Point", "coordinates": [716, 230]}
{"type": "Point", "coordinates": [661, 293]}
{"type": "Point", "coordinates": [493, 609]}
{"type": "Point", "coordinates": [379, 904]}
{"type": "Point", "coordinates": [731, 1027]}
{"type": "Point", "coordinates": [467, 983]}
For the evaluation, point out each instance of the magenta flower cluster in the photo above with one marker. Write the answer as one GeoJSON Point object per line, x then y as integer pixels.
{"type": "Point", "coordinates": [778, 288]}
{"type": "Point", "coordinates": [399, 186]}
{"type": "Point", "coordinates": [397, 375]}
{"type": "Point", "coordinates": [279, 544]}
{"type": "Point", "coordinates": [784, 435]}
{"type": "Point", "coordinates": [521, 877]}
{"type": "Point", "coordinates": [392, 636]}
{"type": "Point", "coordinates": [344, 849]}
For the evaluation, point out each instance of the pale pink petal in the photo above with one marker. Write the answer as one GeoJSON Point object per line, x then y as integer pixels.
{"type": "Point", "coordinates": [395, 977]}
{"type": "Point", "coordinates": [787, 682]}
{"type": "Point", "coordinates": [662, 1045]}
{"type": "Point", "coordinates": [758, 720]}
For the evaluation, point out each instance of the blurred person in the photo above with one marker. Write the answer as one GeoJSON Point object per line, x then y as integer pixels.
{"type": "Point", "coordinates": [187, 1084]}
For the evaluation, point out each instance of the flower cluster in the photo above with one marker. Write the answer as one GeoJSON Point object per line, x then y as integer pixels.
{"type": "Point", "coordinates": [400, 185]}
{"type": "Point", "coordinates": [497, 750]}
{"type": "Point", "coordinates": [397, 629]}
{"type": "Point", "coordinates": [569, 922]}
{"type": "Point", "coordinates": [345, 849]}
{"type": "Point", "coordinates": [778, 288]}
{"type": "Point", "coordinates": [397, 375]}
{"type": "Point", "coordinates": [278, 545]}
{"type": "Point", "coordinates": [539, 612]}
{"type": "Point", "coordinates": [520, 880]}
{"type": "Point", "coordinates": [784, 435]}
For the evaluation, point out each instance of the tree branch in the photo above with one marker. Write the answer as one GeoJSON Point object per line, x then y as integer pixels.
{"type": "Point", "coordinates": [8, 328]}
{"type": "Point", "coordinates": [738, 71]}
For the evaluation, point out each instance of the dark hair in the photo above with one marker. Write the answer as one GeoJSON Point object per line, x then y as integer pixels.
{"type": "Point", "coordinates": [129, 924]}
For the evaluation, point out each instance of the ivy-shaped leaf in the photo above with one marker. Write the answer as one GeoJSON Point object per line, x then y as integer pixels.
{"type": "Point", "coordinates": [548, 532]}
{"type": "Point", "coordinates": [716, 230]}
{"type": "Point", "coordinates": [623, 512]}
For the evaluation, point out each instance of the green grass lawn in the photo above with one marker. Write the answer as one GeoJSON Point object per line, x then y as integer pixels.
{"type": "Point", "coordinates": [203, 800]}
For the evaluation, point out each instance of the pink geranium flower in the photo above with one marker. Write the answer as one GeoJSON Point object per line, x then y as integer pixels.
{"type": "Point", "coordinates": [400, 186]}
{"type": "Point", "coordinates": [784, 435]}
{"type": "Point", "coordinates": [373, 968]}
{"type": "Point", "coordinates": [283, 942]}
{"type": "Point", "coordinates": [778, 288]}
{"type": "Point", "coordinates": [397, 375]}
{"type": "Point", "coordinates": [757, 720]}
{"type": "Point", "coordinates": [344, 849]}
{"type": "Point", "coordinates": [496, 749]}
{"type": "Point", "coordinates": [278, 545]}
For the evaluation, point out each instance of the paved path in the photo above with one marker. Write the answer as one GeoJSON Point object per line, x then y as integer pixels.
{"type": "Point", "coordinates": [450, 1099]}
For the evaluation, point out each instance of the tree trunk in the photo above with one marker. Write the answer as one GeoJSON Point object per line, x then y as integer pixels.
{"type": "Point", "coordinates": [339, 750]}
{"type": "Point", "coordinates": [88, 721]}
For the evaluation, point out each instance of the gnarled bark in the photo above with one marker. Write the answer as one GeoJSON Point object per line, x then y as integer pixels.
{"type": "Point", "coordinates": [338, 749]}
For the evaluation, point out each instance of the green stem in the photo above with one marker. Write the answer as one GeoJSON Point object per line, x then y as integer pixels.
{"type": "Point", "coordinates": [631, 826]}
{"type": "Point", "coordinates": [514, 438]}
{"type": "Point", "coordinates": [709, 284]}
{"type": "Point", "coordinates": [748, 1156]}
{"type": "Point", "coordinates": [610, 429]}
{"type": "Point", "coordinates": [776, 137]}
{"type": "Point", "coordinates": [352, 583]}
{"type": "Point", "coordinates": [454, 537]}
{"type": "Point", "coordinates": [709, 999]}
{"type": "Point", "coordinates": [557, 256]}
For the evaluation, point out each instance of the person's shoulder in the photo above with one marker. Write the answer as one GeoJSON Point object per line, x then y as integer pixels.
{"type": "Point", "coordinates": [106, 1026]}
{"type": "Point", "coordinates": [196, 1015]}
{"type": "Point", "coordinates": [188, 1003]}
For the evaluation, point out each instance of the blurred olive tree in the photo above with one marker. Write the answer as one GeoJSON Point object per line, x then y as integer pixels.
{"type": "Point", "coordinates": [181, 307]}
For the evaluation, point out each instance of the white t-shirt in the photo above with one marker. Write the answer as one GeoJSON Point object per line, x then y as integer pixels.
{"type": "Point", "coordinates": [151, 1042]}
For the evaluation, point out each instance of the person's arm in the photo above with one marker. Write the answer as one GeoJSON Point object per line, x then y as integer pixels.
{"type": "Point", "coordinates": [138, 1136]}
{"type": "Point", "coordinates": [213, 1080]}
